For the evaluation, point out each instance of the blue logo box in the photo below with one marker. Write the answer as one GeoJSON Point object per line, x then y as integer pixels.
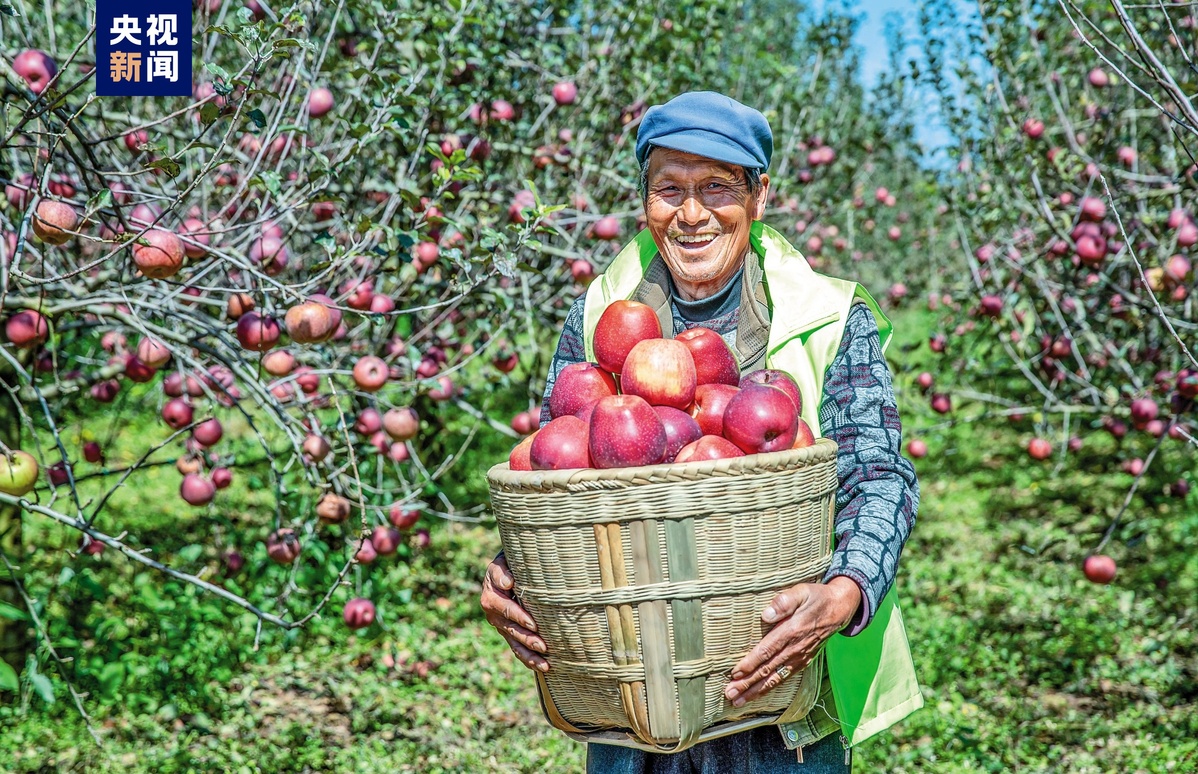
{"type": "Point", "coordinates": [143, 48]}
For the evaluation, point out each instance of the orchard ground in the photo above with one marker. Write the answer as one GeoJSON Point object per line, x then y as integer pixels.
{"type": "Point", "coordinates": [1025, 665]}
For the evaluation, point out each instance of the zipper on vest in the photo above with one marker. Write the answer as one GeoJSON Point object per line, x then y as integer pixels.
{"type": "Point", "coordinates": [848, 754]}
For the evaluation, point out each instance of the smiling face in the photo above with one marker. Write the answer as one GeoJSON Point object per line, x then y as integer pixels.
{"type": "Point", "coordinates": [699, 211]}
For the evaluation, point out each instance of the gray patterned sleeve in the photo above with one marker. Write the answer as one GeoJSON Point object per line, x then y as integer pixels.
{"type": "Point", "coordinates": [879, 493]}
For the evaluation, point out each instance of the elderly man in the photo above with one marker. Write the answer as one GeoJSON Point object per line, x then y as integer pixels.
{"type": "Point", "coordinates": [706, 259]}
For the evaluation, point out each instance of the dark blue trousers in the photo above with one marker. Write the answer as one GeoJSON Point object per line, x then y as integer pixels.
{"type": "Point", "coordinates": [756, 751]}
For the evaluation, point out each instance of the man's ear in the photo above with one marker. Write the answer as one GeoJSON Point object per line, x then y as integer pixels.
{"type": "Point", "coordinates": [762, 197]}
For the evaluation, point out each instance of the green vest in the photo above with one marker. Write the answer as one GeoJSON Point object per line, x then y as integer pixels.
{"type": "Point", "coordinates": [872, 675]}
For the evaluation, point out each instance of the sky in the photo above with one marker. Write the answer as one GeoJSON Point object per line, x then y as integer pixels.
{"type": "Point", "coordinates": [871, 39]}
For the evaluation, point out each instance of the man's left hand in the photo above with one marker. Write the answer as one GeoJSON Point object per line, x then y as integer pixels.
{"type": "Point", "coordinates": [803, 618]}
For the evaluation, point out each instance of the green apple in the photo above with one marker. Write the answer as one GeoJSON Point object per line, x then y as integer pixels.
{"type": "Point", "coordinates": [18, 474]}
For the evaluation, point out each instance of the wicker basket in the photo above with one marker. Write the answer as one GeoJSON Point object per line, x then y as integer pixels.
{"type": "Point", "coordinates": [647, 585]}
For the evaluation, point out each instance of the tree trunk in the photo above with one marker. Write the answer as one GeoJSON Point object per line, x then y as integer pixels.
{"type": "Point", "coordinates": [14, 635]}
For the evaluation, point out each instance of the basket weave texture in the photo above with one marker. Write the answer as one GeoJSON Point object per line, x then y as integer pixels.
{"type": "Point", "coordinates": [647, 584]}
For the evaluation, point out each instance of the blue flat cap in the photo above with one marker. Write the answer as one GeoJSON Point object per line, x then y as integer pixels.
{"type": "Point", "coordinates": [708, 124]}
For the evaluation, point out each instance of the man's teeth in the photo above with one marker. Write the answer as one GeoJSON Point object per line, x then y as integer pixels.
{"type": "Point", "coordinates": [694, 240]}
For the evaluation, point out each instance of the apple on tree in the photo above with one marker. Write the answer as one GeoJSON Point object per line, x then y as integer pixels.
{"type": "Point", "coordinates": [359, 613]}
{"type": "Point", "coordinates": [18, 473]}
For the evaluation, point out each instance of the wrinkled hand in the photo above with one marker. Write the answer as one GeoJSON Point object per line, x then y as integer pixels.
{"type": "Point", "coordinates": [803, 618]}
{"type": "Point", "coordinates": [509, 617]}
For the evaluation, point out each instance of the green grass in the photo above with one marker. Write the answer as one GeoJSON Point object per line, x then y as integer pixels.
{"type": "Point", "coordinates": [1025, 665]}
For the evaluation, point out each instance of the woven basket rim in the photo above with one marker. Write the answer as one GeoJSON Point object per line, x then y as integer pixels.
{"type": "Point", "coordinates": [822, 450]}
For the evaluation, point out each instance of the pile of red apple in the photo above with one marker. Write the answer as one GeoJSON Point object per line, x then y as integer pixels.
{"type": "Point", "coordinates": [650, 400]}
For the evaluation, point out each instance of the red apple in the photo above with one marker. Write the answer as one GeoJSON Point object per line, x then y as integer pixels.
{"type": "Point", "coordinates": [625, 431]}
{"type": "Point", "coordinates": [917, 449]}
{"type": "Point", "coordinates": [711, 400]}
{"type": "Point", "coordinates": [386, 540]}
{"type": "Point", "coordinates": [661, 371]}
{"type": "Point", "coordinates": [197, 490]}
{"type": "Point", "coordinates": [681, 429]}
{"type": "Point", "coordinates": [92, 452]}
{"type": "Point", "coordinates": [332, 508]}
{"type": "Point", "coordinates": [52, 221]}
{"type": "Point", "coordinates": [177, 413]}
{"type": "Point", "coordinates": [502, 110]}
{"type": "Point", "coordinates": [370, 373]}
{"type": "Point", "coordinates": [709, 447]}
{"type": "Point", "coordinates": [320, 101]}
{"type": "Point", "coordinates": [561, 444]}
{"type": "Point", "coordinates": [714, 361]}
{"type": "Point", "coordinates": [577, 385]}
{"type": "Point", "coordinates": [368, 422]}
{"type": "Point", "coordinates": [359, 613]}
{"type": "Point", "coordinates": [152, 352]}
{"type": "Point", "coordinates": [803, 436]}
{"type": "Point", "coordinates": [158, 253]}
{"type": "Point", "coordinates": [621, 327]}
{"type": "Point", "coordinates": [238, 304]}
{"type": "Point", "coordinates": [778, 379]}
{"type": "Point", "coordinates": [520, 458]}
{"type": "Point", "coordinates": [278, 363]}
{"type": "Point", "coordinates": [36, 67]}
{"type": "Point", "coordinates": [283, 546]}
{"type": "Point", "coordinates": [403, 517]}
{"type": "Point", "coordinates": [257, 332]}
{"type": "Point", "coordinates": [222, 478]}
{"type": "Point", "coordinates": [761, 418]}
{"type": "Point", "coordinates": [208, 432]}
{"type": "Point", "coordinates": [136, 370]}
{"type": "Point", "coordinates": [1039, 449]}
{"type": "Point", "coordinates": [18, 473]}
{"type": "Point", "coordinates": [26, 329]}
{"type": "Point", "coordinates": [526, 421]}
{"type": "Point", "coordinates": [366, 552]}
{"type": "Point", "coordinates": [565, 92]}
{"type": "Point", "coordinates": [310, 322]}
{"type": "Point", "coordinates": [1099, 568]}
{"type": "Point", "coordinates": [198, 238]}
{"type": "Point", "coordinates": [607, 228]}
{"type": "Point", "coordinates": [401, 424]}
{"type": "Point", "coordinates": [316, 447]}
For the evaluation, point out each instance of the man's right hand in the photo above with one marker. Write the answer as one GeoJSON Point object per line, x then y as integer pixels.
{"type": "Point", "coordinates": [513, 621]}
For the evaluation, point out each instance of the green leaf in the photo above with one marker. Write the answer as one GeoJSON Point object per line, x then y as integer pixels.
{"type": "Point", "coordinates": [99, 199]}
{"type": "Point", "coordinates": [13, 613]}
{"type": "Point", "coordinates": [170, 166]}
{"type": "Point", "coordinates": [190, 553]}
{"type": "Point", "coordinates": [41, 684]}
{"type": "Point", "coordinates": [8, 677]}
{"type": "Point", "coordinates": [209, 112]}
{"type": "Point", "coordinates": [272, 180]}
{"type": "Point", "coordinates": [111, 677]}
{"type": "Point", "coordinates": [216, 70]}
{"type": "Point", "coordinates": [8, 10]}
{"type": "Point", "coordinates": [65, 577]}
{"type": "Point", "coordinates": [258, 117]}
